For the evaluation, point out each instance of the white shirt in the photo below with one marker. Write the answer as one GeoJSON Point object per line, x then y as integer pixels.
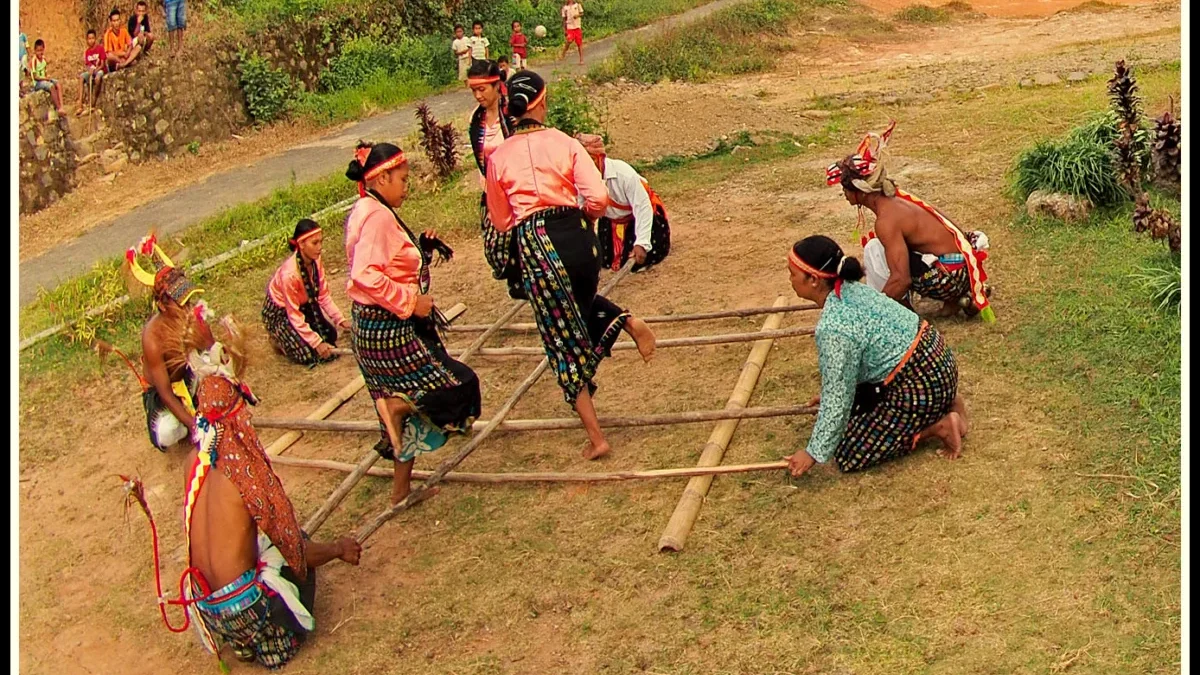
{"type": "Point", "coordinates": [460, 45]}
{"type": "Point", "coordinates": [479, 47]}
{"type": "Point", "coordinates": [627, 194]}
{"type": "Point", "coordinates": [571, 13]}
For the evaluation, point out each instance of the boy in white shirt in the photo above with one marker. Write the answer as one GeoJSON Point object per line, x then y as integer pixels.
{"type": "Point", "coordinates": [479, 44]}
{"type": "Point", "coordinates": [635, 222]}
{"type": "Point", "coordinates": [462, 52]}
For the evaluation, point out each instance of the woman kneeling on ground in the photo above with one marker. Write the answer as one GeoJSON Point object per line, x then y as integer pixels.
{"type": "Point", "coordinates": [534, 181]}
{"type": "Point", "coordinates": [888, 379]}
{"type": "Point", "coordinates": [421, 394]}
{"type": "Point", "coordinates": [299, 314]}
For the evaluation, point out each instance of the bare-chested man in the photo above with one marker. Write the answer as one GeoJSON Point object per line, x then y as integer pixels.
{"type": "Point", "coordinates": [913, 246]}
{"type": "Point", "coordinates": [257, 570]}
{"type": "Point", "coordinates": [166, 393]}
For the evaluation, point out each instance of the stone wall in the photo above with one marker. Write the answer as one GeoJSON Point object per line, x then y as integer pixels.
{"type": "Point", "coordinates": [159, 106]}
{"type": "Point", "coordinates": [47, 160]}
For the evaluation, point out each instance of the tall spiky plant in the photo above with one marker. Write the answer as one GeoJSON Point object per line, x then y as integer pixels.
{"type": "Point", "coordinates": [448, 159]}
{"type": "Point", "coordinates": [1166, 151]}
{"type": "Point", "coordinates": [1122, 93]}
{"type": "Point", "coordinates": [431, 137]}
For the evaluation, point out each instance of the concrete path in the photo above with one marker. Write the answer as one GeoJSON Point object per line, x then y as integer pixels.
{"type": "Point", "coordinates": [308, 162]}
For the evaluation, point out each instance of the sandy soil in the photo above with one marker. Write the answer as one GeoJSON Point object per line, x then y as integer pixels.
{"type": "Point", "coordinates": [551, 579]}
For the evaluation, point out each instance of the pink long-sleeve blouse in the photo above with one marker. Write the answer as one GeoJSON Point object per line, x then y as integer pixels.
{"type": "Point", "coordinates": [542, 169]}
{"type": "Point", "coordinates": [287, 290]}
{"type": "Point", "coordinates": [385, 265]}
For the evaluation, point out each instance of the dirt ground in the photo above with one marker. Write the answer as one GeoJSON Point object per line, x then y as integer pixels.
{"type": "Point", "coordinates": [998, 563]}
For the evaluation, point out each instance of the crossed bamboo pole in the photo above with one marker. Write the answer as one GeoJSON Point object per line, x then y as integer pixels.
{"type": "Point", "coordinates": [665, 318]}
{"type": "Point", "coordinates": [424, 491]}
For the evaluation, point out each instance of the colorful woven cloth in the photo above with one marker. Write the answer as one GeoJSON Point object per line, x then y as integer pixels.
{"type": "Point", "coordinates": [921, 392]}
{"type": "Point", "coordinates": [405, 358]}
{"type": "Point", "coordinates": [161, 425]}
{"type": "Point", "coordinates": [560, 271]}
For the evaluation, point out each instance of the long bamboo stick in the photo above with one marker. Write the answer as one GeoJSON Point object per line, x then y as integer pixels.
{"type": "Point", "coordinates": [541, 477]}
{"type": "Point", "coordinates": [423, 492]}
{"type": "Point", "coordinates": [666, 318]}
{"type": "Point", "coordinates": [684, 517]}
{"type": "Point", "coordinates": [664, 343]}
{"type": "Point", "coordinates": [559, 423]}
{"type": "Point", "coordinates": [344, 394]}
{"type": "Point", "coordinates": [357, 471]}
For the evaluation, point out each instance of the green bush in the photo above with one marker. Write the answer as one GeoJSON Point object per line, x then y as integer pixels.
{"type": "Point", "coordinates": [364, 58]}
{"type": "Point", "coordinates": [268, 90]}
{"type": "Point", "coordinates": [569, 109]}
{"type": "Point", "coordinates": [923, 14]}
{"type": "Point", "coordinates": [1080, 163]}
{"type": "Point", "coordinates": [744, 38]}
{"type": "Point", "coordinates": [380, 92]}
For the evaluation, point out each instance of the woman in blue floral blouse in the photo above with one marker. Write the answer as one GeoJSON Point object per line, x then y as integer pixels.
{"type": "Point", "coordinates": [888, 379]}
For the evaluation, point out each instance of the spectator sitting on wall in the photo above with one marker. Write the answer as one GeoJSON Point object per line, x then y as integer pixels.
{"type": "Point", "coordinates": [176, 23]}
{"type": "Point", "coordinates": [22, 62]}
{"type": "Point", "coordinates": [92, 77]}
{"type": "Point", "coordinates": [139, 27]}
{"type": "Point", "coordinates": [37, 69]}
{"type": "Point", "coordinates": [119, 48]}
{"type": "Point", "coordinates": [479, 44]}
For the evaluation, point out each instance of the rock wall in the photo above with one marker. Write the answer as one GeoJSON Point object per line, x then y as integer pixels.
{"type": "Point", "coordinates": [47, 159]}
{"type": "Point", "coordinates": [159, 106]}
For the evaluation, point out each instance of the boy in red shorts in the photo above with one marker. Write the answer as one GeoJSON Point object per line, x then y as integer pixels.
{"type": "Point", "coordinates": [572, 16]}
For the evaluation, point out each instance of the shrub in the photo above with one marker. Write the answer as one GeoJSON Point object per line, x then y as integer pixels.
{"type": "Point", "coordinates": [923, 14]}
{"type": "Point", "coordinates": [440, 142]}
{"type": "Point", "coordinates": [569, 109]}
{"type": "Point", "coordinates": [1164, 284]}
{"type": "Point", "coordinates": [268, 90]}
{"type": "Point", "coordinates": [1080, 163]}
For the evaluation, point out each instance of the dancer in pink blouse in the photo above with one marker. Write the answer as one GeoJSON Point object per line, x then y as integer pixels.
{"type": "Point", "coordinates": [299, 314]}
{"type": "Point", "coordinates": [421, 394]}
{"type": "Point", "coordinates": [535, 180]}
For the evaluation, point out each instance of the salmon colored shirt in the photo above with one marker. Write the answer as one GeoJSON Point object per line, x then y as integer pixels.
{"type": "Point", "coordinates": [493, 138]}
{"type": "Point", "coordinates": [541, 169]}
{"type": "Point", "coordinates": [287, 290]}
{"type": "Point", "coordinates": [385, 265]}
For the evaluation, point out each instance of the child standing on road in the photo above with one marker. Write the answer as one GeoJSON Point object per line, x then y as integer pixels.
{"type": "Point", "coordinates": [462, 52]}
{"type": "Point", "coordinates": [94, 63]}
{"type": "Point", "coordinates": [519, 44]}
{"type": "Point", "coordinates": [37, 70]}
{"type": "Point", "coordinates": [479, 44]}
{"type": "Point", "coordinates": [572, 16]}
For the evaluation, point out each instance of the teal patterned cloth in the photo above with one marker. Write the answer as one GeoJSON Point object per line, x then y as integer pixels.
{"type": "Point", "coordinates": [861, 337]}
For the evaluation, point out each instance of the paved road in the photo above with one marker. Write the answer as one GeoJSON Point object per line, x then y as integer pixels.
{"type": "Point", "coordinates": [178, 210]}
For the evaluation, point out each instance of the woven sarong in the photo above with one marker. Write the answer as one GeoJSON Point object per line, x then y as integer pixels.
{"type": "Point", "coordinates": [921, 392]}
{"type": "Point", "coordinates": [254, 620]}
{"type": "Point", "coordinates": [284, 336]}
{"type": "Point", "coordinates": [560, 272]}
{"type": "Point", "coordinates": [405, 358]}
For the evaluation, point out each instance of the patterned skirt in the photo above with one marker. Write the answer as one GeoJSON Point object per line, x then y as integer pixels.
{"type": "Point", "coordinates": [941, 283]}
{"type": "Point", "coordinates": [921, 392]}
{"type": "Point", "coordinates": [500, 250]}
{"type": "Point", "coordinates": [256, 622]}
{"type": "Point", "coordinates": [161, 425]}
{"type": "Point", "coordinates": [617, 241]}
{"type": "Point", "coordinates": [560, 272]}
{"type": "Point", "coordinates": [285, 338]}
{"type": "Point", "coordinates": [405, 358]}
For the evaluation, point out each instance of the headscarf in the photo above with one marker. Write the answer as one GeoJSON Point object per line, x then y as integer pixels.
{"type": "Point", "coordinates": [370, 160]}
{"type": "Point", "coordinates": [526, 90]}
{"type": "Point", "coordinates": [305, 228]}
{"type": "Point", "coordinates": [865, 168]}
{"type": "Point", "coordinates": [593, 143]}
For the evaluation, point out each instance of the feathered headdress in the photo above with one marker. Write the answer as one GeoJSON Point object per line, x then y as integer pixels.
{"type": "Point", "coordinates": [166, 279]}
{"type": "Point", "coordinates": [866, 165]}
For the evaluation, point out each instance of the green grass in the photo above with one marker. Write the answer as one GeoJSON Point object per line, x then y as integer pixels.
{"type": "Point", "coordinates": [744, 38]}
{"type": "Point", "coordinates": [381, 92]}
{"type": "Point", "coordinates": [923, 14]}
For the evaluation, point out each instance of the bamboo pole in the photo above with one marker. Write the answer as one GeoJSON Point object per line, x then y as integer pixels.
{"type": "Point", "coordinates": [347, 392]}
{"type": "Point", "coordinates": [666, 318]}
{"type": "Point", "coordinates": [357, 471]}
{"type": "Point", "coordinates": [423, 492]}
{"type": "Point", "coordinates": [684, 517]}
{"type": "Point", "coordinates": [556, 424]}
{"type": "Point", "coordinates": [542, 477]}
{"type": "Point", "coordinates": [664, 343]}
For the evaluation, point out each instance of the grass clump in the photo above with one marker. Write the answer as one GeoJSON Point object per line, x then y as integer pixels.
{"type": "Point", "coordinates": [744, 38]}
{"type": "Point", "coordinates": [571, 111]}
{"type": "Point", "coordinates": [1080, 163]}
{"type": "Point", "coordinates": [923, 14]}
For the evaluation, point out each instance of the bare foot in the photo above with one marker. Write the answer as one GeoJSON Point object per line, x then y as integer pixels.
{"type": "Point", "coordinates": [592, 451]}
{"type": "Point", "coordinates": [642, 336]}
{"type": "Point", "coordinates": [960, 407]}
{"type": "Point", "coordinates": [949, 430]}
{"type": "Point", "coordinates": [948, 309]}
{"type": "Point", "coordinates": [397, 497]}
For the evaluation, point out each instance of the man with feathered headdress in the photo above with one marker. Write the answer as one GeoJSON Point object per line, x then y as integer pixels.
{"type": "Point", "coordinates": [913, 246]}
{"type": "Point", "coordinates": [166, 381]}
